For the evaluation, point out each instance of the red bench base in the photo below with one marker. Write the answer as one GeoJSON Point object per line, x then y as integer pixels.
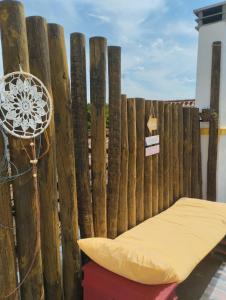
{"type": "Point", "coordinates": [101, 284]}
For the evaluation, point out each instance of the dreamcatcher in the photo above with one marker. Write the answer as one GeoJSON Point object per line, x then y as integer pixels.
{"type": "Point", "coordinates": [25, 113]}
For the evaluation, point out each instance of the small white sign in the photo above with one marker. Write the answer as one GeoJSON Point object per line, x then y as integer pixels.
{"type": "Point", "coordinates": [152, 150]}
{"type": "Point", "coordinates": [152, 140]}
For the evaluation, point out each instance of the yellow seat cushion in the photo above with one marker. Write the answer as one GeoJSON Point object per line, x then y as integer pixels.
{"type": "Point", "coordinates": [165, 248]}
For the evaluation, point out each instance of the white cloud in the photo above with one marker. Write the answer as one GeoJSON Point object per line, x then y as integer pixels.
{"type": "Point", "coordinates": [181, 28]}
{"type": "Point", "coordinates": [158, 53]}
{"type": "Point", "coordinates": [104, 19]}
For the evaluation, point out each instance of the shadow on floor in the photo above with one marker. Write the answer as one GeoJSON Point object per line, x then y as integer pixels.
{"type": "Point", "coordinates": [193, 287]}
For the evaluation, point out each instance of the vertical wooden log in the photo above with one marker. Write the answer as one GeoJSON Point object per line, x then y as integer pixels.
{"type": "Point", "coordinates": [65, 161]}
{"type": "Point", "coordinates": [161, 155]}
{"type": "Point", "coordinates": [155, 169]}
{"type": "Point", "coordinates": [79, 108]}
{"type": "Point", "coordinates": [181, 149]}
{"type": "Point", "coordinates": [8, 279]}
{"type": "Point", "coordinates": [123, 205]}
{"type": "Point", "coordinates": [114, 148]}
{"type": "Point", "coordinates": [187, 151]}
{"type": "Point", "coordinates": [140, 118]}
{"type": "Point", "coordinates": [200, 165]}
{"type": "Point", "coordinates": [132, 143]}
{"type": "Point", "coordinates": [147, 169]}
{"type": "Point", "coordinates": [15, 52]}
{"type": "Point", "coordinates": [166, 165]}
{"type": "Point", "coordinates": [40, 67]}
{"type": "Point", "coordinates": [195, 188]}
{"type": "Point", "coordinates": [171, 171]}
{"type": "Point", "coordinates": [214, 119]}
{"type": "Point", "coordinates": [175, 156]}
{"type": "Point", "coordinates": [98, 47]}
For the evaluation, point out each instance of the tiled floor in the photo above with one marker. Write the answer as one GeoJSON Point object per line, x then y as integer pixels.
{"type": "Point", "coordinates": [194, 287]}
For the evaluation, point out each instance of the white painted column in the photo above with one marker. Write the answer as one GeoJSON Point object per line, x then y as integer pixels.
{"type": "Point", "coordinates": [207, 35]}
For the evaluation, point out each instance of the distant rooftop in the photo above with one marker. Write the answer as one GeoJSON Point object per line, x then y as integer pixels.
{"type": "Point", "coordinates": [210, 14]}
{"type": "Point", "coordinates": [198, 10]}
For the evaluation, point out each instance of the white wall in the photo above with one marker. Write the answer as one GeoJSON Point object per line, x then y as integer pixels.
{"type": "Point", "coordinates": [207, 35]}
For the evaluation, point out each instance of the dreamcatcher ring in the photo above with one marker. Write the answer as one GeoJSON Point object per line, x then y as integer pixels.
{"type": "Point", "coordinates": [25, 105]}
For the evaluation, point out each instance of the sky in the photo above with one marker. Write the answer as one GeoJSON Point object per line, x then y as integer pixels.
{"type": "Point", "coordinates": [158, 39]}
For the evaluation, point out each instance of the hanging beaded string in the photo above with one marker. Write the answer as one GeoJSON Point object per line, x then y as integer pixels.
{"type": "Point", "coordinates": [33, 159]}
{"type": "Point", "coordinates": [7, 167]}
{"type": "Point", "coordinates": [24, 86]}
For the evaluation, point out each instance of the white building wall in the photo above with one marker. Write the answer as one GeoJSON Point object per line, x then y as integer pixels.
{"type": "Point", "coordinates": [207, 35]}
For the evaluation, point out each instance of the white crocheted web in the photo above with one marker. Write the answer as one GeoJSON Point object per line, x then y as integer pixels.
{"type": "Point", "coordinates": [25, 105]}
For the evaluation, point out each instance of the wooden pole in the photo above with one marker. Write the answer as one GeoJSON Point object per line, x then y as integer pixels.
{"type": "Point", "coordinates": [166, 166]}
{"type": "Point", "coordinates": [195, 188]}
{"type": "Point", "coordinates": [181, 149]}
{"type": "Point", "coordinates": [161, 156]}
{"type": "Point", "coordinates": [8, 278]}
{"type": "Point", "coordinates": [15, 53]}
{"type": "Point", "coordinates": [132, 142]}
{"type": "Point", "coordinates": [187, 151]}
{"type": "Point", "coordinates": [214, 119]}
{"type": "Point", "coordinates": [147, 169]}
{"type": "Point", "coordinates": [155, 170]}
{"type": "Point", "coordinates": [98, 48]}
{"type": "Point", "coordinates": [79, 108]}
{"type": "Point", "coordinates": [123, 188]}
{"type": "Point", "coordinates": [114, 148]}
{"type": "Point", "coordinates": [175, 155]}
{"type": "Point", "coordinates": [40, 67]}
{"type": "Point", "coordinates": [140, 118]}
{"type": "Point", "coordinates": [171, 167]}
{"type": "Point", "coordinates": [200, 164]}
{"type": "Point", "coordinates": [65, 161]}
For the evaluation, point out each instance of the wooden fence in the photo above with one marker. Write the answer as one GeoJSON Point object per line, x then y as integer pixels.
{"type": "Point", "coordinates": [125, 186]}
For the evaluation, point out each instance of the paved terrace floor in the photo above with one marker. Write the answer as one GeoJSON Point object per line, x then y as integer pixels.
{"type": "Point", "coordinates": [194, 287]}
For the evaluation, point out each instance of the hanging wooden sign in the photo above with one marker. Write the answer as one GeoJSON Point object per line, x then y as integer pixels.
{"type": "Point", "coordinates": [152, 150]}
{"type": "Point", "coordinates": [152, 124]}
{"type": "Point", "coordinates": [152, 140]}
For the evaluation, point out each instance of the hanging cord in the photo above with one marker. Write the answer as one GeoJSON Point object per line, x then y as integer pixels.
{"type": "Point", "coordinates": [33, 161]}
{"type": "Point", "coordinates": [6, 165]}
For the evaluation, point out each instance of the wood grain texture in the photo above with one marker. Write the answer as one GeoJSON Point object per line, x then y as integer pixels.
{"type": "Point", "coordinates": [65, 162]}
{"type": "Point", "coordinates": [171, 166]}
{"type": "Point", "coordinates": [161, 156]}
{"type": "Point", "coordinates": [47, 173]}
{"type": "Point", "coordinates": [175, 156]}
{"type": "Point", "coordinates": [123, 188]}
{"type": "Point", "coordinates": [187, 156]}
{"type": "Point", "coordinates": [181, 149]}
{"type": "Point", "coordinates": [155, 204]}
{"type": "Point", "coordinates": [214, 119]}
{"type": "Point", "coordinates": [132, 142]}
{"type": "Point", "coordinates": [140, 118]}
{"type": "Point", "coordinates": [147, 169]}
{"type": "Point", "coordinates": [114, 148]}
{"type": "Point", "coordinates": [8, 279]}
{"type": "Point", "coordinates": [79, 108]}
{"type": "Point", "coordinates": [98, 49]}
{"type": "Point", "coordinates": [166, 165]}
{"type": "Point", "coordinates": [195, 182]}
{"type": "Point", "coordinates": [15, 53]}
{"type": "Point", "coordinates": [200, 179]}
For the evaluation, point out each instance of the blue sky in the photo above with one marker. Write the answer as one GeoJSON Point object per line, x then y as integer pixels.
{"type": "Point", "coordinates": [158, 39]}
